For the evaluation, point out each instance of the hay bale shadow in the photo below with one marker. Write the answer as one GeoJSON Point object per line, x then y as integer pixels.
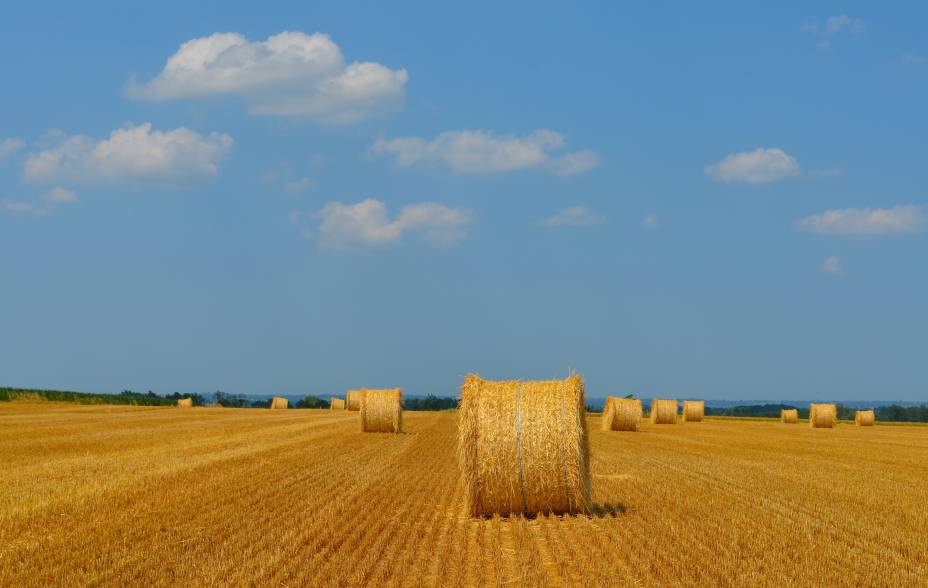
{"type": "Point", "coordinates": [607, 510]}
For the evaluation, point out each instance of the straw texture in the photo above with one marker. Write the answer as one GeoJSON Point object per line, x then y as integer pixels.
{"type": "Point", "coordinates": [336, 403]}
{"type": "Point", "coordinates": [278, 402]}
{"type": "Point", "coordinates": [663, 412]}
{"type": "Point", "coordinates": [823, 416]}
{"type": "Point", "coordinates": [693, 411]}
{"type": "Point", "coordinates": [865, 418]}
{"type": "Point", "coordinates": [381, 411]}
{"type": "Point", "coordinates": [621, 414]}
{"type": "Point", "coordinates": [523, 447]}
{"type": "Point", "coordinates": [789, 415]}
{"type": "Point", "coordinates": [353, 399]}
{"type": "Point", "coordinates": [184, 402]}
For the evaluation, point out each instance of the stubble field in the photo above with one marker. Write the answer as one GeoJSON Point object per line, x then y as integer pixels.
{"type": "Point", "coordinates": [161, 496]}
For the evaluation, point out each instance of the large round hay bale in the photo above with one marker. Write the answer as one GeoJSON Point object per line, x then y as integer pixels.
{"type": "Point", "coordinates": [522, 446]}
{"type": "Point", "coordinates": [279, 402]}
{"type": "Point", "coordinates": [353, 399]}
{"type": "Point", "coordinates": [823, 416]}
{"type": "Point", "coordinates": [621, 414]}
{"type": "Point", "coordinates": [381, 411]}
{"type": "Point", "coordinates": [336, 403]}
{"type": "Point", "coordinates": [184, 402]}
{"type": "Point", "coordinates": [663, 412]}
{"type": "Point", "coordinates": [865, 418]}
{"type": "Point", "coordinates": [789, 415]}
{"type": "Point", "coordinates": [693, 410]}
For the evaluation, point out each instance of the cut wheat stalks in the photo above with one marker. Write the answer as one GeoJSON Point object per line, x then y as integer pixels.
{"type": "Point", "coordinates": [693, 411]}
{"type": "Point", "coordinates": [336, 403]}
{"type": "Point", "coordinates": [353, 399]}
{"type": "Point", "coordinates": [663, 412]}
{"type": "Point", "coordinates": [184, 402]}
{"type": "Point", "coordinates": [789, 415]}
{"type": "Point", "coordinates": [382, 411]}
{"type": "Point", "coordinates": [865, 418]}
{"type": "Point", "coordinates": [523, 447]}
{"type": "Point", "coordinates": [278, 402]}
{"type": "Point", "coordinates": [823, 416]}
{"type": "Point", "coordinates": [621, 414]}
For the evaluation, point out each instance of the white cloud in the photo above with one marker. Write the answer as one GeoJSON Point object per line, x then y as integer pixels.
{"type": "Point", "coordinates": [754, 167]}
{"type": "Point", "coordinates": [288, 74]}
{"type": "Point", "coordinates": [130, 154]}
{"type": "Point", "coordinates": [61, 195]}
{"type": "Point", "coordinates": [832, 266]}
{"type": "Point", "coordinates": [10, 146]}
{"type": "Point", "coordinates": [649, 222]}
{"type": "Point", "coordinates": [574, 216]}
{"type": "Point", "coordinates": [476, 152]}
{"type": "Point", "coordinates": [898, 220]}
{"type": "Point", "coordinates": [343, 226]}
{"type": "Point", "coordinates": [50, 201]}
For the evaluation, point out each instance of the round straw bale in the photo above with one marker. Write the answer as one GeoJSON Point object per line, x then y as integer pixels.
{"type": "Point", "coordinates": [184, 402]}
{"type": "Point", "coordinates": [621, 414]}
{"type": "Point", "coordinates": [353, 399]}
{"type": "Point", "coordinates": [279, 402]}
{"type": "Point", "coordinates": [382, 411]}
{"type": "Point", "coordinates": [865, 418]}
{"type": "Point", "coordinates": [789, 415]}
{"type": "Point", "coordinates": [522, 446]}
{"type": "Point", "coordinates": [336, 403]}
{"type": "Point", "coordinates": [693, 410]}
{"type": "Point", "coordinates": [823, 416]}
{"type": "Point", "coordinates": [663, 412]}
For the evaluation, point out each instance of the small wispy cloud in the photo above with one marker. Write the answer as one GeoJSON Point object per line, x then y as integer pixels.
{"type": "Point", "coordinates": [45, 205]}
{"type": "Point", "coordinates": [898, 220]}
{"type": "Point", "coordinates": [913, 59]}
{"type": "Point", "coordinates": [650, 221]}
{"type": "Point", "coordinates": [575, 216]}
{"type": "Point", "coordinates": [831, 28]}
{"type": "Point", "coordinates": [754, 167]}
{"type": "Point", "coordinates": [298, 186]}
{"type": "Point", "coordinates": [10, 146]}
{"type": "Point", "coordinates": [833, 266]}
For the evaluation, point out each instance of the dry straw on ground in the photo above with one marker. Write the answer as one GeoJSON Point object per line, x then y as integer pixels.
{"type": "Point", "coordinates": [789, 415]}
{"type": "Point", "coordinates": [523, 447]}
{"type": "Point", "coordinates": [823, 416]}
{"type": "Point", "coordinates": [353, 399]}
{"type": "Point", "coordinates": [184, 402]}
{"type": "Point", "coordinates": [382, 411]}
{"type": "Point", "coordinates": [865, 418]}
{"type": "Point", "coordinates": [663, 412]}
{"type": "Point", "coordinates": [693, 411]}
{"type": "Point", "coordinates": [621, 414]}
{"type": "Point", "coordinates": [336, 403]}
{"type": "Point", "coordinates": [278, 402]}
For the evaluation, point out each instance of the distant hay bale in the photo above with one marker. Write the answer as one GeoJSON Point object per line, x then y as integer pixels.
{"type": "Point", "coordinates": [789, 415]}
{"type": "Point", "coordinates": [353, 399]}
{"type": "Point", "coordinates": [663, 412]}
{"type": "Point", "coordinates": [865, 418]}
{"type": "Point", "coordinates": [693, 411]}
{"type": "Point", "coordinates": [523, 447]}
{"type": "Point", "coordinates": [382, 411]}
{"type": "Point", "coordinates": [278, 402]}
{"type": "Point", "coordinates": [621, 414]}
{"type": "Point", "coordinates": [823, 416]}
{"type": "Point", "coordinates": [336, 403]}
{"type": "Point", "coordinates": [184, 402]}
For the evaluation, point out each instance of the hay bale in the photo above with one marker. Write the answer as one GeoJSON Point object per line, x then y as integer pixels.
{"type": "Point", "coordinates": [278, 402]}
{"type": "Point", "coordinates": [663, 412]}
{"type": "Point", "coordinates": [823, 416]}
{"type": "Point", "coordinates": [694, 411]}
{"type": "Point", "coordinates": [353, 399]}
{"type": "Point", "coordinates": [621, 414]}
{"type": "Point", "coordinates": [523, 447]}
{"type": "Point", "coordinates": [382, 411]}
{"type": "Point", "coordinates": [336, 403]}
{"type": "Point", "coordinates": [184, 402]}
{"type": "Point", "coordinates": [789, 415]}
{"type": "Point", "coordinates": [865, 418]}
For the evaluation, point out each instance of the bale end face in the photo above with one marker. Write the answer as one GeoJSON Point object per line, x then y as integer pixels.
{"type": "Point", "coordinates": [789, 415]}
{"type": "Point", "coordinates": [823, 416]}
{"type": "Point", "coordinates": [693, 411]}
{"type": "Point", "coordinates": [279, 402]}
{"type": "Point", "coordinates": [865, 418]}
{"type": "Point", "coordinates": [336, 403]}
{"type": "Point", "coordinates": [184, 402]}
{"type": "Point", "coordinates": [353, 399]}
{"type": "Point", "coordinates": [663, 412]}
{"type": "Point", "coordinates": [381, 411]}
{"type": "Point", "coordinates": [621, 414]}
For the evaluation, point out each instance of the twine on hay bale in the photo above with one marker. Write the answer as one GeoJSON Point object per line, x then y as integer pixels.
{"type": "Point", "coordinates": [823, 416]}
{"type": "Point", "coordinates": [663, 412]}
{"type": "Point", "coordinates": [382, 411]}
{"type": "Point", "coordinates": [865, 418]}
{"type": "Point", "coordinates": [353, 399]}
{"type": "Point", "coordinates": [184, 402]}
{"type": "Point", "coordinates": [522, 446]}
{"type": "Point", "coordinates": [789, 415]}
{"type": "Point", "coordinates": [693, 411]}
{"type": "Point", "coordinates": [336, 403]}
{"type": "Point", "coordinates": [279, 402]}
{"type": "Point", "coordinates": [621, 414]}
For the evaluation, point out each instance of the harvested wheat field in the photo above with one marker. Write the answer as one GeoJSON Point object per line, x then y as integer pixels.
{"type": "Point", "coordinates": [115, 496]}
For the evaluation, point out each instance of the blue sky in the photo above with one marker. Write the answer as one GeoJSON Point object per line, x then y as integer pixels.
{"type": "Point", "coordinates": [726, 202]}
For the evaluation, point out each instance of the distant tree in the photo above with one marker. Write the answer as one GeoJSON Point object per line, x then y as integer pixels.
{"type": "Point", "coordinates": [312, 402]}
{"type": "Point", "coordinates": [230, 400]}
{"type": "Point", "coordinates": [260, 403]}
{"type": "Point", "coordinates": [430, 402]}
